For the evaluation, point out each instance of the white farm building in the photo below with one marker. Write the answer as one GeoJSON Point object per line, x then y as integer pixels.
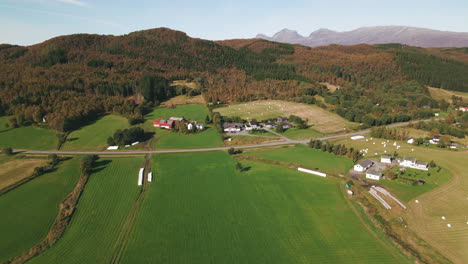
{"type": "Point", "coordinates": [386, 159]}
{"type": "Point", "coordinates": [374, 175]}
{"type": "Point", "coordinates": [410, 162]}
{"type": "Point", "coordinates": [363, 165]}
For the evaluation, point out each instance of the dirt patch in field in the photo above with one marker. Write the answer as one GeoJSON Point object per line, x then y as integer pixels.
{"type": "Point", "coordinates": [330, 86]}
{"type": "Point", "coordinates": [320, 119]}
{"type": "Point", "coordinates": [183, 100]}
{"type": "Point", "coordinates": [16, 170]}
{"type": "Point", "coordinates": [185, 83]}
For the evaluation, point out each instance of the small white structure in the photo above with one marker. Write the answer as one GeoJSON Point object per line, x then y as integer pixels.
{"type": "Point", "coordinates": [135, 143]}
{"type": "Point", "coordinates": [321, 174]}
{"type": "Point", "coordinates": [176, 118]}
{"type": "Point", "coordinates": [386, 159]}
{"type": "Point", "coordinates": [357, 137]}
{"type": "Point", "coordinates": [350, 192]}
{"type": "Point", "coordinates": [363, 165]}
{"type": "Point", "coordinates": [248, 127]}
{"type": "Point", "coordinates": [232, 127]}
{"type": "Point", "coordinates": [436, 138]}
{"type": "Point", "coordinates": [150, 176]}
{"type": "Point", "coordinates": [410, 141]}
{"type": "Point", "coordinates": [140, 176]}
{"type": "Point", "coordinates": [113, 148]}
{"type": "Point", "coordinates": [374, 175]}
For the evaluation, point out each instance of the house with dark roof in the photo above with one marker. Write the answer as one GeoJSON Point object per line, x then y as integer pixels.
{"type": "Point", "coordinates": [374, 175]}
{"type": "Point", "coordinates": [363, 165]}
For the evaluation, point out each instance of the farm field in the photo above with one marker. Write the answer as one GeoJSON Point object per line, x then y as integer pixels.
{"type": "Point", "coordinates": [26, 137]}
{"type": "Point", "coordinates": [321, 120]}
{"type": "Point", "coordinates": [94, 136]}
{"type": "Point", "coordinates": [18, 169]}
{"type": "Point", "coordinates": [305, 156]}
{"type": "Point", "coordinates": [208, 138]}
{"type": "Point", "coordinates": [449, 200]}
{"type": "Point", "coordinates": [250, 140]}
{"type": "Point", "coordinates": [439, 94]}
{"type": "Point", "coordinates": [103, 208]}
{"type": "Point", "coordinates": [28, 211]}
{"type": "Point", "coordinates": [184, 99]}
{"type": "Point", "coordinates": [207, 212]}
{"type": "Point", "coordinates": [408, 192]}
{"type": "Point", "coordinates": [294, 133]}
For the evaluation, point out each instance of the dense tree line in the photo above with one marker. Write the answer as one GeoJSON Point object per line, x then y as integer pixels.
{"type": "Point", "coordinates": [337, 149]}
{"type": "Point", "coordinates": [389, 133]}
{"type": "Point", "coordinates": [438, 127]}
{"type": "Point", "coordinates": [127, 136]}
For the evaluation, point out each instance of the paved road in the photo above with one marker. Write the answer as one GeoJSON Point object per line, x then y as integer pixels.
{"type": "Point", "coordinates": [285, 142]}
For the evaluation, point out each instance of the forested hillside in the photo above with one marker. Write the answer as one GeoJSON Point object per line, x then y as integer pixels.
{"type": "Point", "coordinates": [70, 79]}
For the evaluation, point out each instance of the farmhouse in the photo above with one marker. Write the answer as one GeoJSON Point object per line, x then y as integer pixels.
{"type": "Point", "coordinates": [270, 124]}
{"type": "Point", "coordinates": [363, 165]}
{"type": "Point", "coordinates": [162, 123]}
{"type": "Point", "coordinates": [386, 159]}
{"type": "Point", "coordinates": [463, 109]}
{"type": "Point", "coordinates": [232, 127]}
{"type": "Point", "coordinates": [436, 138]}
{"type": "Point", "coordinates": [373, 175]}
{"type": "Point", "coordinates": [193, 125]}
{"type": "Point", "coordinates": [410, 162]}
{"type": "Point", "coordinates": [254, 124]}
{"type": "Point", "coordinates": [285, 125]}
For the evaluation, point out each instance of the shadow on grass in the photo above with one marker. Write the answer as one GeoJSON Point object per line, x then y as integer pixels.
{"type": "Point", "coordinates": [100, 165]}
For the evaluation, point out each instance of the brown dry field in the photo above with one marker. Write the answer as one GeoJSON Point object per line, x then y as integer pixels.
{"type": "Point", "coordinates": [440, 94]}
{"type": "Point", "coordinates": [449, 200]}
{"type": "Point", "coordinates": [16, 170]}
{"type": "Point", "coordinates": [320, 119]}
{"type": "Point", "coordinates": [183, 99]}
{"type": "Point", "coordinates": [185, 83]}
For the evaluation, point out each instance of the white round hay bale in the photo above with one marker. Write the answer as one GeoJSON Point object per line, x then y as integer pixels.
{"type": "Point", "coordinates": [417, 201]}
{"type": "Point", "coordinates": [449, 225]}
{"type": "Point", "coordinates": [443, 217]}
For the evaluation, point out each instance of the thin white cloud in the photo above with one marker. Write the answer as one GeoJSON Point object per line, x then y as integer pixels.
{"type": "Point", "coordinates": [84, 18]}
{"type": "Point", "coordinates": [74, 2]}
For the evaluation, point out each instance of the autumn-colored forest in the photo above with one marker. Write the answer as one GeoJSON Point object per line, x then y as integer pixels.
{"type": "Point", "coordinates": [70, 79]}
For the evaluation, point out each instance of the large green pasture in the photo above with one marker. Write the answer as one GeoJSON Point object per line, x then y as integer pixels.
{"type": "Point", "coordinates": [208, 138]}
{"type": "Point", "coordinates": [308, 157]}
{"type": "Point", "coordinates": [295, 133]}
{"type": "Point", "coordinates": [94, 136]}
{"type": "Point", "coordinates": [200, 209]}
{"type": "Point", "coordinates": [101, 212]}
{"type": "Point", "coordinates": [407, 192]}
{"type": "Point", "coordinates": [28, 137]}
{"type": "Point", "coordinates": [28, 211]}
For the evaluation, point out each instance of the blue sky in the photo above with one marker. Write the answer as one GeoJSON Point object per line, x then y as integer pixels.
{"type": "Point", "coordinates": [27, 22]}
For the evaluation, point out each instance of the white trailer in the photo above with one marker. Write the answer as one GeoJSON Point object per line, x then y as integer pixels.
{"type": "Point", "coordinates": [150, 176]}
{"type": "Point", "coordinates": [321, 174]}
{"type": "Point", "coordinates": [140, 176]}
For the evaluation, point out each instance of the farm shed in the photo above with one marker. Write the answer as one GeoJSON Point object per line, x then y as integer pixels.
{"type": "Point", "coordinates": [386, 159]}
{"type": "Point", "coordinates": [374, 175]}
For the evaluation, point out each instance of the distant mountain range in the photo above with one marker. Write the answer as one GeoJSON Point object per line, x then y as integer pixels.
{"type": "Point", "coordinates": [413, 36]}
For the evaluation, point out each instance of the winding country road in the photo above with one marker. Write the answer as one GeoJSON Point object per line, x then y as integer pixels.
{"type": "Point", "coordinates": [285, 142]}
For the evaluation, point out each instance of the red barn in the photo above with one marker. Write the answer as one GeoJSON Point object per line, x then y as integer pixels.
{"type": "Point", "coordinates": [167, 124]}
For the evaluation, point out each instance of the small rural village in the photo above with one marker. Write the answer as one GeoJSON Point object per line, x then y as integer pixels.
{"type": "Point", "coordinates": [135, 145]}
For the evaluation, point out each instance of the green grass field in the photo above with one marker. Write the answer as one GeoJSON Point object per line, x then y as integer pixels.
{"type": "Point", "coordinates": [28, 211]}
{"type": "Point", "coordinates": [94, 136]}
{"type": "Point", "coordinates": [173, 140]}
{"type": "Point", "coordinates": [207, 212]}
{"type": "Point", "coordinates": [26, 137]}
{"type": "Point", "coordinates": [408, 192]}
{"type": "Point", "coordinates": [196, 112]}
{"type": "Point", "coordinates": [294, 133]}
{"type": "Point", "coordinates": [308, 157]}
{"type": "Point", "coordinates": [103, 208]}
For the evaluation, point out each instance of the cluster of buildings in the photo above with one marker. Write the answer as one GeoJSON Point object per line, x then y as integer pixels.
{"type": "Point", "coordinates": [254, 125]}
{"type": "Point", "coordinates": [171, 123]}
{"type": "Point", "coordinates": [374, 174]}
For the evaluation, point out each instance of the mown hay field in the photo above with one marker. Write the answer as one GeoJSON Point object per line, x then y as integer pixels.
{"type": "Point", "coordinates": [94, 136]}
{"type": "Point", "coordinates": [28, 211]}
{"type": "Point", "coordinates": [310, 158]}
{"type": "Point", "coordinates": [13, 171]}
{"type": "Point", "coordinates": [320, 119]}
{"type": "Point", "coordinates": [200, 209]}
{"type": "Point", "coordinates": [449, 199]}
{"type": "Point", "coordinates": [101, 211]}
{"type": "Point", "coordinates": [28, 137]}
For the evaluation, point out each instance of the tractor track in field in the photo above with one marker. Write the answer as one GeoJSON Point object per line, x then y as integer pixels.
{"type": "Point", "coordinates": [121, 242]}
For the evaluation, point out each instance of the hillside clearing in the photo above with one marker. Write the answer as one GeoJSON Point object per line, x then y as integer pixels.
{"type": "Point", "coordinates": [320, 119]}
{"type": "Point", "coordinates": [28, 137]}
{"type": "Point", "coordinates": [440, 94]}
{"type": "Point", "coordinates": [207, 212]}
{"type": "Point", "coordinates": [94, 136]}
{"type": "Point", "coordinates": [184, 100]}
{"type": "Point", "coordinates": [16, 170]}
{"type": "Point", "coordinates": [29, 210]}
{"type": "Point", "coordinates": [101, 212]}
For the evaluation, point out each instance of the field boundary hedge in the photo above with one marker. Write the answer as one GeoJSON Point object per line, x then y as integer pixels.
{"type": "Point", "coordinates": [66, 210]}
